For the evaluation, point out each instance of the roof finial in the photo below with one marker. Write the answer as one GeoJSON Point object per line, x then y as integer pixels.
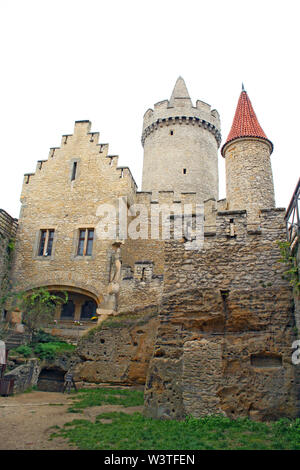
{"type": "Point", "coordinates": [243, 88]}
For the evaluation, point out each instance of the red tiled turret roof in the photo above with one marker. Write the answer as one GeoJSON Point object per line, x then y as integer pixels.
{"type": "Point", "coordinates": [245, 122]}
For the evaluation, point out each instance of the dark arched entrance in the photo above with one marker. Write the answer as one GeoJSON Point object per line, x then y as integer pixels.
{"type": "Point", "coordinates": [68, 310]}
{"type": "Point", "coordinates": [88, 310]}
{"type": "Point", "coordinates": [51, 380]}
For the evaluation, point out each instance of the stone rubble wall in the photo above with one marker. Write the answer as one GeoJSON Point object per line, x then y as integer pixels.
{"type": "Point", "coordinates": [226, 327]}
{"type": "Point", "coordinates": [8, 228]}
{"type": "Point", "coordinates": [119, 352]}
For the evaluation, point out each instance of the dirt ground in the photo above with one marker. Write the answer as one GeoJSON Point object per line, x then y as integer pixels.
{"type": "Point", "coordinates": [26, 419]}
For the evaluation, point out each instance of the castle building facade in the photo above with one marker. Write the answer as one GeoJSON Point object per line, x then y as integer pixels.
{"type": "Point", "coordinates": [221, 338]}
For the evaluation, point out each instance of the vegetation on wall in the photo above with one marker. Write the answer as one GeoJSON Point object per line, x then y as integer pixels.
{"type": "Point", "coordinates": [44, 346]}
{"type": "Point", "coordinates": [5, 286]}
{"type": "Point", "coordinates": [289, 258]}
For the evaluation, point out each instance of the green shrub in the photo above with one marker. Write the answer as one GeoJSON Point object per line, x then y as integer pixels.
{"type": "Point", "coordinates": [24, 350]}
{"type": "Point", "coordinates": [42, 337]}
{"type": "Point", "coordinates": [51, 350]}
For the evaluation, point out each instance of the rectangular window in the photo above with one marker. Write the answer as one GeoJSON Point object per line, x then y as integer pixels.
{"type": "Point", "coordinates": [46, 242]}
{"type": "Point", "coordinates": [85, 242]}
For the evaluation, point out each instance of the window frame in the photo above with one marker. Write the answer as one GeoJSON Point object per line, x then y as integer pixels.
{"type": "Point", "coordinates": [43, 251]}
{"type": "Point", "coordinates": [73, 176]}
{"type": "Point", "coordinates": [86, 239]}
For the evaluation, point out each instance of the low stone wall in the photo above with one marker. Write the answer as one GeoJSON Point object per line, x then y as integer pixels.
{"type": "Point", "coordinates": [25, 375]}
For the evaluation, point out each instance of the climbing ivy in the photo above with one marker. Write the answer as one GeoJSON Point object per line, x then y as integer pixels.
{"type": "Point", "coordinates": [5, 286]}
{"type": "Point", "coordinates": [290, 259]}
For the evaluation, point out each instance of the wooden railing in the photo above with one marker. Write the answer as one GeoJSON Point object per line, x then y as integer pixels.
{"type": "Point", "coordinates": [8, 225]}
{"type": "Point", "coordinates": [292, 219]}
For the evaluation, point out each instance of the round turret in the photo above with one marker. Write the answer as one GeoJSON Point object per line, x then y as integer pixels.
{"type": "Point", "coordinates": [247, 150]}
{"type": "Point", "coordinates": [181, 146]}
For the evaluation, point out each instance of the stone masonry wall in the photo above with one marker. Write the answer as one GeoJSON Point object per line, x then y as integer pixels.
{"type": "Point", "coordinates": [8, 228]}
{"type": "Point", "coordinates": [180, 146]}
{"type": "Point", "coordinates": [249, 180]}
{"type": "Point", "coordinates": [51, 200]}
{"type": "Point", "coordinates": [226, 327]}
{"type": "Point", "coordinates": [119, 352]}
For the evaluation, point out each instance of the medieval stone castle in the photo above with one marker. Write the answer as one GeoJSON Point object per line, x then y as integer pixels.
{"type": "Point", "coordinates": [205, 330]}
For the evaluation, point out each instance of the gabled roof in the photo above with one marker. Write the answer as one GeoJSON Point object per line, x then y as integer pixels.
{"type": "Point", "coordinates": [245, 122]}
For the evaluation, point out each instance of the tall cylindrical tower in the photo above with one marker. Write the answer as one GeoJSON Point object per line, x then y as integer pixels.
{"type": "Point", "coordinates": [247, 150]}
{"type": "Point", "coordinates": [181, 146]}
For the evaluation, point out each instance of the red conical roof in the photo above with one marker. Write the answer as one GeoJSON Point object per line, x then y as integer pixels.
{"type": "Point", "coordinates": [245, 122]}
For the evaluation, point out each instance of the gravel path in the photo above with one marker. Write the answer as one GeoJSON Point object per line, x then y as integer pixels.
{"type": "Point", "coordinates": [26, 419]}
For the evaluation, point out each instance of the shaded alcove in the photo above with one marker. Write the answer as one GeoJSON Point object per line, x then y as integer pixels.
{"type": "Point", "coordinates": [88, 310]}
{"type": "Point", "coordinates": [51, 380]}
{"type": "Point", "coordinates": [68, 310]}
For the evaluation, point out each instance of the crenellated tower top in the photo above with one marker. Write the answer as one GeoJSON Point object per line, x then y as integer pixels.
{"type": "Point", "coordinates": [180, 145]}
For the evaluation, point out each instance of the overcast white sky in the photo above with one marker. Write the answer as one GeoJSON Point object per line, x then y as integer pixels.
{"type": "Point", "coordinates": [109, 61]}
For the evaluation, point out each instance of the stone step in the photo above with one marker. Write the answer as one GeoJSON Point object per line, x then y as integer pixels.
{"type": "Point", "coordinates": [16, 339]}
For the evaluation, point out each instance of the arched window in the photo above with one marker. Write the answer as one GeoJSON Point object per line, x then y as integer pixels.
{"type": "Point", "coordinates": [68, 310]}
{"type": "Point", "coordinates": [88, 310]}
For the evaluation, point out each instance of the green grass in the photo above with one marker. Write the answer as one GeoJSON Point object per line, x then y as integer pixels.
{"type": "Point", "coordinates": [43, 350]}
{"type": "Point", "coordinates": [103, 396]}
{"type": "Point", "coordinates": [51, 350]}
{"type": "Point", "coordinates": [121, 431]}
{"type": "Point", "coordinates": [135, 432]}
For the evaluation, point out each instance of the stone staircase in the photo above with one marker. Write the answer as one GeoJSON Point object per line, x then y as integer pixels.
{"type": "Point", "coordinates": [16, 339]}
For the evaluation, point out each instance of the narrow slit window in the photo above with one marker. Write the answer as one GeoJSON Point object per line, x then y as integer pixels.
{"type": "Point", "coordinates": [74, 169]}
{"type": "Point", "coordinates": [171, 132]}
{"type": "Point", "coordinates": [184, 171]}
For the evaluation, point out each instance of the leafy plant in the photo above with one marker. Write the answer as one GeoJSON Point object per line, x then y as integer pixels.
{"type": "Point", "coordinates": [38, 307]}
{"type": "Point", "coordinates": [41, 336]}
{"type": "Point", "coordinates": [292, 273]}
{"type": "Point", "coordinates": [51, 350]}
{"type": "Point", "coordinates": [24, 350]}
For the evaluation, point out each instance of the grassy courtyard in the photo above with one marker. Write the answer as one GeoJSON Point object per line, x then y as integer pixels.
{"type": "Point", "coordinates": [122, 431]}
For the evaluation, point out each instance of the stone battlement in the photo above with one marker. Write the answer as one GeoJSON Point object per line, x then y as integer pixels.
{"type": "Point", "coordinates": [188, 120]}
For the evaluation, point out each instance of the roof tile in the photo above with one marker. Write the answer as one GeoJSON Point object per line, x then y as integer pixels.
{"type": "Point", "coordinates": [245, 122]}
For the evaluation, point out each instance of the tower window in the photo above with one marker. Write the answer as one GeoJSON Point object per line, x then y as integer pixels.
{"type": "Point", "coordinates": [74, 169]}
{"type": "Point", "coordinates": [171, 132]}
{"type": "Point", "coordinates": [184, 171]}
{"type": "Point", "coordinates": [46, 242]}
{"type": "Point", "coordinates": [85, 242]}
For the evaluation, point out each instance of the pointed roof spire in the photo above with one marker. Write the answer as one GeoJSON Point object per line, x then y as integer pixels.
{"type": "Point", "coordinates": [180, 95]}
{"type": "Point", "coordinates": [245, 122]}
